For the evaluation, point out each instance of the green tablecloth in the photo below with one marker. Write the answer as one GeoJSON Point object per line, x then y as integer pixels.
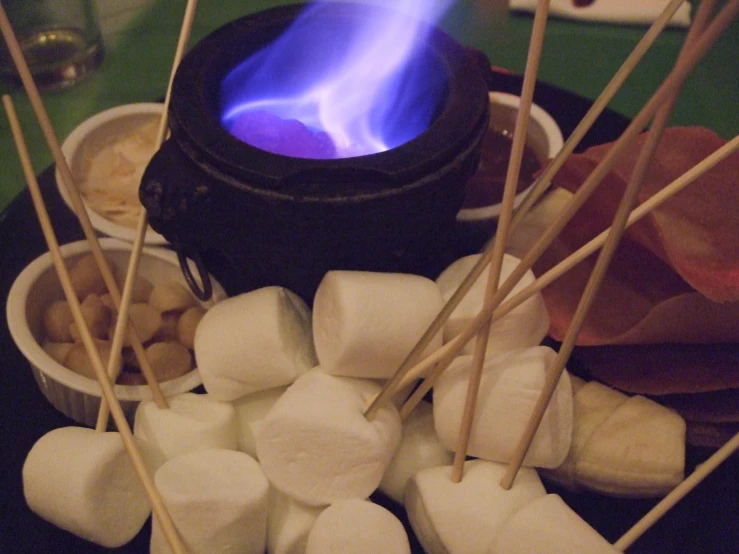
{"type": "Point", "coordinates": [581, 57]}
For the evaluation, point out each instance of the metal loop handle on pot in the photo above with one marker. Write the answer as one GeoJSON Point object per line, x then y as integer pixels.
{"type": "Point", "coordinates": [206, 291]}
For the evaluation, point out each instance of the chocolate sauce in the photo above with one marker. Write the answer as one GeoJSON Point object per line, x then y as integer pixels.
{"type": "Point", "coordinates": [485, 187]}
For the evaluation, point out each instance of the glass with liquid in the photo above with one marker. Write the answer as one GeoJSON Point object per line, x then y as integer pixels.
{"type": "Point", "coordinates": [60, 40]}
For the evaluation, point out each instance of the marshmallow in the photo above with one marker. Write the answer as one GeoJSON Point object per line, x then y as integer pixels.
{"type": "Point", "coordinates": [254, 341]}
{"type": "Point", "coordinates": [638, 450]}
{"type": "Point", "coordinates": [577, 383]}
{"type": "Point", "coordinates": [289, 523]}
{"type": "Point", "coordinates": [622, 446]}
{"type": "Point", "coordinates": [419, 449]}
{"type": "Point", "coordinates": [217, 500]}
{"type": "Point", "coordinates": [510, 386]}
{"type": "Point", "coordinates": [524, 326]}
{"type": "Point", "coordinates": [250, 411]}
{"type": "Point", "coordinates": [592, 404]}
{"type": "Point", "coordinates": [548, 525]}
{"type": "Point", "coordinates": [365, 324]}
{"type": "Point", "coordinates": [316, 445]}
{"type": "Point", "coordinates": [357, 527]}
{"type": "Point", "coordinates": [192, 422]}
{"type": "Point", "coordinates": [465, 517]}
{"type": "Point", "coordinates": [84, 482]}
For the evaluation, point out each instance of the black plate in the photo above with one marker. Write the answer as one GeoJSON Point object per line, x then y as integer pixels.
{"type": "Point", "coordinates": [705, 521]}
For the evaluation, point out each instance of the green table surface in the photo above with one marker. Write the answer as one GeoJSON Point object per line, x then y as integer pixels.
{"type": "Point", "coordinates": [580, 57]}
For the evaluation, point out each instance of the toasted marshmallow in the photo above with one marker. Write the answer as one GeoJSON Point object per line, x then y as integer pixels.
{"type": "Point", "coordinates": [315, 444]}
{"type": "Point", "coordinates": [365, 323]}
{"type": "Point", "coordinates": [218, 501]}
{"type": "Point", "coordinates": [84, 482]}
{"type": "Point", "coordinates": [254, 341]}
{"type": "Point", "coordinates": [524, 326]}
{"type": "Point", "coordinates": [192, 422]}
{"type": "Point", "coordinates": [466, 517]}
{"type": "Point", "coordinates": [510, 387]}
{"type": "Point", "coordinates": [357, 527]}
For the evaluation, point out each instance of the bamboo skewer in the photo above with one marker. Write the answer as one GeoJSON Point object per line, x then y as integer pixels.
{"type": "Point", "coordinates": [539, 187]}
{"type": "Point", "coordinates": [446, 353]}
{"type": "Point", "coordinates": [143, 221]}
{"type": "Point", "coordinates": [597, 242]}
{"type": "Point", "coordinates": [673, 80]}
{"type": "Point", "coordinates": [509, 195]}
{"type": "Point", "coordinates": [452, 348]}
{"type": "Point", "coordinates": [603, 262]}
{"type": "Point", "coordinates": [125, 301]}
{"type": "Point", "coordinates": [678, 493]}
{"type": "Point", "coordinates": [74, 195]}
{"type": "Point", "coordinates": [119, 417]}
{"type": "Point", "coordinates": [542, 182]}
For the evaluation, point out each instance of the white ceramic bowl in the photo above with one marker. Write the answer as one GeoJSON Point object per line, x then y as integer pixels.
{"type": "Point", "coordinates": [37, 285]}
{"type": "Point", "coordinates": [544, 137]}
{"type": "Point", "coordinates": [94, 131]}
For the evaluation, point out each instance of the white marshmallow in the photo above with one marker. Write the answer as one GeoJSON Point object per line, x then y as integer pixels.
{"type": "Point", "coordinates": [622, 446]}
{"type": "Point", "coordinates": [525, 326]}
{"type": "Point", "coordinates": [365, 324]}
{"type": "Point", "coordinates": [192, 422]}
{"type": "Point", "coordinates": [218, 501]}
{"type": "Point", "coordinates": [250, 411]}
{"type": "Point", "coordinates": [548, 526]}
{"type": "Point", "coordinates": [83, 481]}
{"type": "Point", "coordinates": [254, 341]}
{"type": "Point", "coordinates": [316, 445]}
{"type": "Point", "coordinates": [357, 527]}
{"type": "Point", "coordinates": [592, 404]}
{"type": "Point", "coordinates": [510, 386]}
{"type": "Point", "coordinates": [419, 449]}
{"type": "Point", "coordinates": [289, 523]}
{"type": "Point", "coordinates": [639, 450]}
{"type": "Point", "coordinates": [465, 517]}
{"type": "Point", "coordinates": [226, 389]}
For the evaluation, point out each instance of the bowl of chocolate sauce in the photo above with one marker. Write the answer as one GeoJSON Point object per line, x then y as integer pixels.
{"type": "Point", "coordinates": [484, 190]}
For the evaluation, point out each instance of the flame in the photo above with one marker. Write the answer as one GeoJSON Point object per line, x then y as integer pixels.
{"type": "Point", "coordinates": [324, 91]}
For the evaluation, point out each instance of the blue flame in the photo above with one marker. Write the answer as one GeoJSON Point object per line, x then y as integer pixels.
{"type": "Point", "coordinates": [323, 90]}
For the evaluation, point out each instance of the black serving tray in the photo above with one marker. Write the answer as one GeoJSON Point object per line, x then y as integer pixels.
{"type": "Point", "coordinates": [707, 520]}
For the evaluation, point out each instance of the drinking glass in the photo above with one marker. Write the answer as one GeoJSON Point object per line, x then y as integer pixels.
{"type": "Point", "coordinates": [60, 40]}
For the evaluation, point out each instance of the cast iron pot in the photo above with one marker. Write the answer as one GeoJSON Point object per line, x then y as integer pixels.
{"type": "Point", "coordinates": [253, 218]}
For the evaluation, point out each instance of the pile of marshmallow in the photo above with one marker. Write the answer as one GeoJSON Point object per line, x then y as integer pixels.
{"type": "Point", "coordinates": [278, 456]}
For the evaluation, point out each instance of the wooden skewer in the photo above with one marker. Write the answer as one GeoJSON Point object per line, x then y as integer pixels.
{"type": "Point", "coordinates": [443, 356]}
{"type": "Point", "coordinates": [678, 493]}
{"type": "Point", "coordinates": [121, 327]}
{"type": "Point", "coordinates": [673, 80]}
{"type": "Point", "coordinates": [414, 356]}
{"type": "Point", "coordinates": [143, 222]}
{"type": "Point", "coordinates": [539, 187]}
{"type": "Point", "coordinates": [74, 195]}
{"type": "Point", "coordinates": [504, 220]}
{"type": "Point", "coordinates": [601, 267]}
{"type": "Point", "coordinates": [594, 244]}
{"type": "Point", "coordinates": [119, 417]}
{"type": "Point", "coordinates": [421, 369]}
{"type": "Point", "coordinates": [542, 182]}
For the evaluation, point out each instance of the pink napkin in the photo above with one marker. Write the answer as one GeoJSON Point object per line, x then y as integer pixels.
{"type": "Point", "coordinates": [626, 12]}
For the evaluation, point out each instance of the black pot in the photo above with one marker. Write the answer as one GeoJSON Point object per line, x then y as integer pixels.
{"type": "Point", "coordinates": [253, 218]}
